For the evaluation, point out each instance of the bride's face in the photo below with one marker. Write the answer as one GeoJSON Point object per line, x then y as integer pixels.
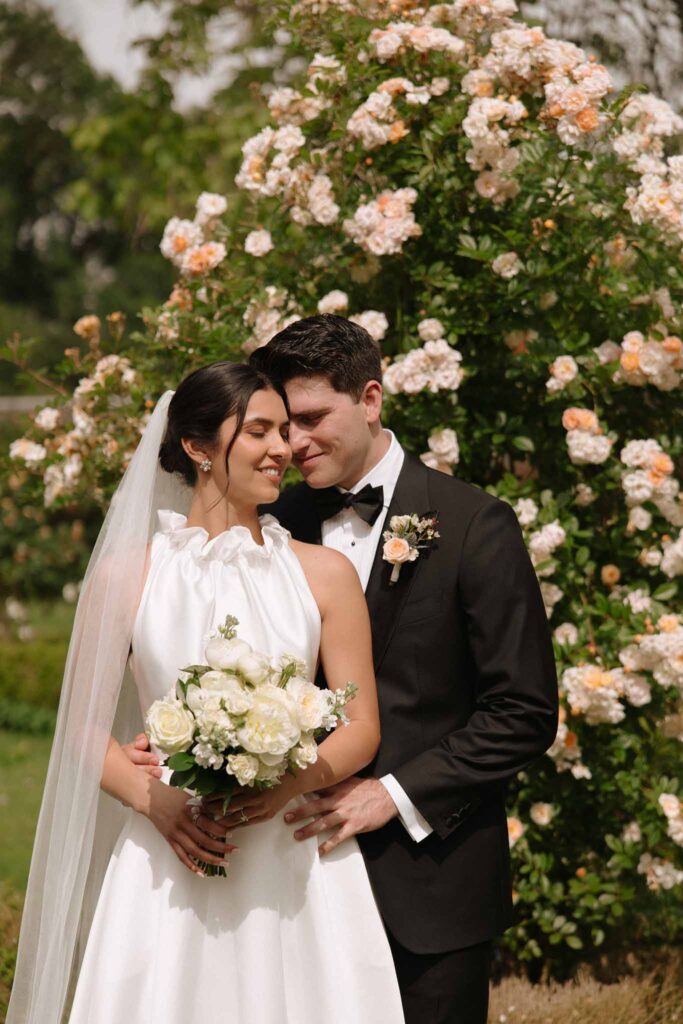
{"type": "Point", "coordinates": [260, 454]}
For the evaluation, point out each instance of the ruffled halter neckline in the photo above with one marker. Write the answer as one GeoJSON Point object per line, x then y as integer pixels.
{"type": "Point", "coordinates": [226, 545]}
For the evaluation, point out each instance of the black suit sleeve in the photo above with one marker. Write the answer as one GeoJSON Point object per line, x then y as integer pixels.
{"type": "Point", "coordinates": [515, 714]}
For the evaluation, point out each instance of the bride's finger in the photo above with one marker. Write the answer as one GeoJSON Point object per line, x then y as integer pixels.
{"type": "Point", "coordinates": [184, 859]}
{"type": "Point", "coordinates": [216, 829]}
{"type": "Point", "coordinates": [201, 853]}
{"type": "Point", "coordinates": [199, 838]}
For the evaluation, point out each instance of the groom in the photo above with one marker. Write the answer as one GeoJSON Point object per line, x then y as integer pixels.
{"type": "Point", "coordinates": [464, 664]}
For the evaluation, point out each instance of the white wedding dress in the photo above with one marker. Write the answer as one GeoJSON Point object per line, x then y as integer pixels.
{"type": "Point", "coordinates": [287, 937]}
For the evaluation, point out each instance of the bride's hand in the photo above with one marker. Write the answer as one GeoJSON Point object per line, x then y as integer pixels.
{"type": "Point", "coordinates": [169, 813]}
{"type": "Point", "coordinates": [251, 807]}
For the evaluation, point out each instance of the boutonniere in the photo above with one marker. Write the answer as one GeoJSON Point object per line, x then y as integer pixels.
{"type": "Point", "coordinates": [406, 537]}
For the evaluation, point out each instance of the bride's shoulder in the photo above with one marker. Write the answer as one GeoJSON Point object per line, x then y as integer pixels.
{"type": "Point", "coordinates": [324, 566]}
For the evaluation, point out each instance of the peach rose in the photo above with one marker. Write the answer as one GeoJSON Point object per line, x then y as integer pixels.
{"type": "Point", "coordinates": [610, 574]}
{"type": "Point", "coordinates": [630, 361]}
{"type": "Point", "coordinates": [579, 419]}
{"type": "Point", "coordinates": [587, 120]}
{"type": "Point", "coordinates": [397, 550]}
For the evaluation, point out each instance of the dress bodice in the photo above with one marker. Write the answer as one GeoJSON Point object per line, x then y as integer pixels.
{"type": "Point", "coordinates": [193, 583]}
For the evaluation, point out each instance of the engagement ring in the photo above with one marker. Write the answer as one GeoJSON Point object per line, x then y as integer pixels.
{"type": "Point", "coordinates": [243, 817]}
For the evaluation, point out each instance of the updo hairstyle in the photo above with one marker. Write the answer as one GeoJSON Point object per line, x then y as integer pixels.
{"type": "Point", "coordinates": [203, 401]}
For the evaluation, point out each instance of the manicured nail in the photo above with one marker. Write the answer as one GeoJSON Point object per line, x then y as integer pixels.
{"type": "Point", "coordinates": [298, 835]}
{"type": "Point", "coordinates": [289, 817]}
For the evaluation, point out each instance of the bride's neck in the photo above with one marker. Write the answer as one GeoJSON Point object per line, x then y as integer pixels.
{"type": "Point", "coordinates": [216, 513]}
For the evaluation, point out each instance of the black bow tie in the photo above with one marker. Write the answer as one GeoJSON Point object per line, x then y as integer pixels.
{"type": "Point", "coordinates": [368, 502]}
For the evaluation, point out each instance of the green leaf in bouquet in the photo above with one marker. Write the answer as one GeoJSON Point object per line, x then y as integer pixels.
{"type": "Point", "coordinates": [207, 782]}
{"type": "Point", "coordinates": [196, 670]}
{"type": "Point", "coordinates": [181, 762]}
{"type": "Point", "coordinates": [184, 779]}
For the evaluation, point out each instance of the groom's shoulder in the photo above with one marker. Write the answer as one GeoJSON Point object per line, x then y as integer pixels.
{"type": "Point", "coordinates": [454, 491]}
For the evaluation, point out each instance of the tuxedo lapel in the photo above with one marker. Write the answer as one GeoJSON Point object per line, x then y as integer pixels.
{"type": "Point", "coordinates": [385, 599]}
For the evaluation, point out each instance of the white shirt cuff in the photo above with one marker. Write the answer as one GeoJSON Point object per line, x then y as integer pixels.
{"type": "Point", "coordinates": [417, 827]}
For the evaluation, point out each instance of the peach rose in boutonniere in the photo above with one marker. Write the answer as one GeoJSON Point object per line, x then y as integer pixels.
{"type": "Point", "coordinates": [404, 539]}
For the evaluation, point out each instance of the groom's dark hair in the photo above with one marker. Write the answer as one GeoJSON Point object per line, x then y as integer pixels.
{"type": "Point", "coordinates": [327, 346]}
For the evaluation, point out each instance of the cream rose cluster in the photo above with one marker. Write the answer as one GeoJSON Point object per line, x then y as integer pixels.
{"type": "Point", "coordinates": [243, 714]}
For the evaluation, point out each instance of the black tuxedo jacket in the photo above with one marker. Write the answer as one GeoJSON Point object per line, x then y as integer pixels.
{"type": "Point", "coordinates": [468, 697]}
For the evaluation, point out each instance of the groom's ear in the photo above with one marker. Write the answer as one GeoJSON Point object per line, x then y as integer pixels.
{"type": "Point", "coordinates": [371, 399]}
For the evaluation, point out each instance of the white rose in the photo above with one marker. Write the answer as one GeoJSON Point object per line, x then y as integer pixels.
{"type": "Point", "coordinates": [541, 814]}
{"type": "Point", "coordinates": [311, 702]}
{"type": "Point", "coordinates": [244, 767]}
{"type": "Point", "coordinates": [199, 700]}
{"type": "Point", "coordinates": [270, 772]}
{"type": "Point", "coordinates": [235, 697]}
{"type": "Point", "coordinates": [47, 418]}
{"type": "Point", "coordinates": [258, 243]}
{"type": "Point", "coordinates": [444, 443]}
{"type": "Point", "coordinates": [224, 654]}
{"type": "Point", "coordinates": [271, 724]}
{"type": "Point", "coordinates": [169, 726]}
{"type": "Point", "coordinates": [254, 667]}
{"type": "Point", "coordinates": [335, 301]}
{"type": "Point", "coordinates": [306, 753]}
{"type": "Point", "coordinates": [430, 329]}
{"type": "Point", "coordinates": [566, 633]}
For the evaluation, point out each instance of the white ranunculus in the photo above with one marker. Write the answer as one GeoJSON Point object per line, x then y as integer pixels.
{"type": "Point", "coordinates": [169, 726]}
{"type": "Point", "coordinates": [271, 725]}
{"type": "Point", "coordinates": [224, 654]}
{"type": "Point", "coordinates": [255, 668]}
{"type": "Point", "coordinates": [244, 767]}
{"type": "Point", "coordinates": [311, 702]}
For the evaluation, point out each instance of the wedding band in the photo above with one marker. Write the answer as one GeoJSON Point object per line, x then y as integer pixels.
{"type": "Point", "coordinates": [195, 811]}
{"type": "Point", "coordinates": [243, 817]}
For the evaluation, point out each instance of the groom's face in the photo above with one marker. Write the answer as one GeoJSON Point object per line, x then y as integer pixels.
{"type": "Point", "coordinates": [329, 432]}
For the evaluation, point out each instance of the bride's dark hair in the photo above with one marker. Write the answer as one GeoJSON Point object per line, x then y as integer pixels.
{"type": "Point", "coordinates": [202, 402]}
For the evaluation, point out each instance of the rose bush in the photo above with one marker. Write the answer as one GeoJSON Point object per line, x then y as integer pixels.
{"type": "Point", "coordinates": [508, 228]}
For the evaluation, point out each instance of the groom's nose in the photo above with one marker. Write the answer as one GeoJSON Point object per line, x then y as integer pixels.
{"type": "Point", "coordinates": [299, 439]}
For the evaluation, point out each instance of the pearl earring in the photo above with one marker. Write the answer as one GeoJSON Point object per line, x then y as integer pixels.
{"type": "Point", "coordinates": [205, 465]}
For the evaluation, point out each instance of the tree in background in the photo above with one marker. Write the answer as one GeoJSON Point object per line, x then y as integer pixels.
{"type": "Point", "coordinates": [508, 228]}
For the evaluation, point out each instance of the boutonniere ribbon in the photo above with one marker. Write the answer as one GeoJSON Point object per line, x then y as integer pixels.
{"type": "Point", "coordinates": [406, 537]}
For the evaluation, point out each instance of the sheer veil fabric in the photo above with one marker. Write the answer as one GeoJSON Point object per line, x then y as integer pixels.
{"type": "Point", "coordinates": [78, 824]}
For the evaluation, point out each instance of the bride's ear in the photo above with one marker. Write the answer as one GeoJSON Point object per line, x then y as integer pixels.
{"type": "Point", "coordinates": [193, 451]}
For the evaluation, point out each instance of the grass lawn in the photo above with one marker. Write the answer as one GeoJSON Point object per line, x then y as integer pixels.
{"type": "Point", "coordinates": [23, 764]}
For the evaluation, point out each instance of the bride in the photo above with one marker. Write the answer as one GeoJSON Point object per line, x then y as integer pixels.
{"type": "Point", "coordinates": [120, 921]}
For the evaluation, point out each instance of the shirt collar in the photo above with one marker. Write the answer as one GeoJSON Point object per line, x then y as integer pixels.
{"type": "Point", "coordinates": [385, 472]}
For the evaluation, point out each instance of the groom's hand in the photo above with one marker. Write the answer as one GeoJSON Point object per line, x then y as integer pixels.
{"type": "Point", "coordinates": [353, 806]}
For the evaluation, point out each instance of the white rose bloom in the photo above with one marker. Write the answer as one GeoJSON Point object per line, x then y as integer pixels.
{"type": "Point", "coordinates": [29, 451]}
{"type": "Point", "coordinates": [526, 511]}
{"type": "Point", "coordinates": [271, 724]}
{"type": "Point", "coordinates": [631, 833]}
{"type": "Point", "coordinates": [637, 690]}
{"type": "Point", "coordinates": [179, 236]}
{"type": "Point", "coordinates": [608, 352]}
{"type": "Point", "coordinates": [564, 369]}
{"type": "Point", "coordinates": [210, 205]}
{"type": "Point", "coordinates": [507, 265]}
{"type": "Point", "coordinates": [639, 518]}
{"type": "Point", "coordinates": [224, 654]}
{"type": "Point", "coordinates": [199, 700]}
{"type": "Point", "coordinates": [430, 329]}
{"type": "Point", "coordinates": [305, 753]}
{"type": "Point", "coordinates": [585, 448]}
{"type": "Point", "coordinates": [515, 831]}
{"type": "Point", "coordinates": [47, 419]}
{"type": "Point", "coordinates": [270, 772]}
{"type": "Point", "coordinates": [311, 703]}
{"type": "Point", "coordinates": [235, 697]}
{"type": "Point", "coordinates": [254, 667]}
{"type": "Point", "coordinates": [670, 804]}
{"type": "Point", "coordinates": [335, 301]}
{"type": "Point", "coordinates": [244, 767]}
{"type": "Point", "coordinates": [541, 814]}
{"type": "Point", "coordinates": [374, 322]}
{"type": "Point", "coordinates": [444, 444]}
{"type": "Point", "coordinates": [585, 495]}
{"type": "Point", "coordinates": [258, 243]}
{"type": "Point", "coordinates": [566, 633]}
{"type": "Point", "coordinates": [169, 726]}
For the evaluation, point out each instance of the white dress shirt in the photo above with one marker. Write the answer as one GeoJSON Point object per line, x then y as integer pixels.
{"type": "Point", "coordinates": [348, 533]}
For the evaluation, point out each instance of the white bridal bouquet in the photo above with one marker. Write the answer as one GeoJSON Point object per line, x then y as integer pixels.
{"type": "Point", "coordinates": [243, 719]}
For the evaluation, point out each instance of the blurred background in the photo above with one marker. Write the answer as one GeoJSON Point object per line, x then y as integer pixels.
{"type": "Point", "coordinates": [113, 117]}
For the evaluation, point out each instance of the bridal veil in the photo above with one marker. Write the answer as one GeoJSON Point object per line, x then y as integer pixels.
{"type": "Point", "coordinates": [78, 824]}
